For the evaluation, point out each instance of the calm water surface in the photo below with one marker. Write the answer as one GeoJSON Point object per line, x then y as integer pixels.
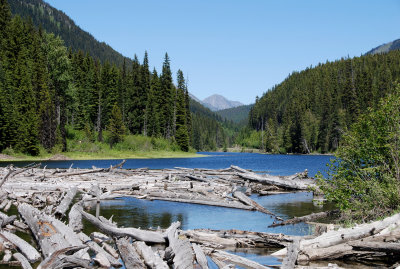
{"type": "Point", "coordinates": [271, 163]}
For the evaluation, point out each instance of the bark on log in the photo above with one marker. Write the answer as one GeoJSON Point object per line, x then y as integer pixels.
{"type": "Point", "coordinates": [29, 252]}
{"type": "Point", "coordinates": [151, 259]}
{"type": "Point", "coordinates": [200, 256]}
{"type": "Point", "coordinates": [24, 262]}
{"type": "Point", "coordinates": [310, 217]}
{"type": "Point", "coordinates": [181, 247]}
{"type": "Point", "coordinates": [66, 201]}
{"type": "Point", "coordinates": [129, 255]}
{"type": "Point", "coordinates": [141, 235]}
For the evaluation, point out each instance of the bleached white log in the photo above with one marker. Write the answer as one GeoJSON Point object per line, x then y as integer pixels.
{"type": "Point", "coordinates": [75, 218]}
{"type": "Point", "coordinates": [151, 259]}
{"type": "Point", "coordinates": [129, 255]}
{"type": "Point", "coordinates": [200, 256]}
{"type": "Point", "coordinates": [29, 252]}
{"type": "Point", "coordinates": [24, 262]}
{"type": "Point", "coordinates": [184, 257]}
{"type": "Point", "coordinates": [97, 249]}
{"type": "Point", "coordinates": [66, 201]}
{"type": "Point", "coordinates": [141, 235]}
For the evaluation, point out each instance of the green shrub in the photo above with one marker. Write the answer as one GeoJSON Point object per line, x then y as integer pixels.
{"type": "Point", "coordinates": [364, 179]}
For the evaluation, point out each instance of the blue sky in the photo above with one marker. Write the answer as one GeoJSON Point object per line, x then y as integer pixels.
{"type": "Point", "coordinates": [237, 48]}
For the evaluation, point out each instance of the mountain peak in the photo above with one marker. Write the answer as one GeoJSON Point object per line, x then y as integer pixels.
{"type": "Point", "coordinates": [217, 102]}
{"type": "Point", "coordinates": [394, 45]}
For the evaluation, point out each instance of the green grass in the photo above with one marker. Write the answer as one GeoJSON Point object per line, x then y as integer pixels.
{"type": "Point", "coordinates": [81, 146]}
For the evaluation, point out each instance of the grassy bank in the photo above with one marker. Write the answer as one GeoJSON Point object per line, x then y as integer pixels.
{"type": "Point", "coordinates": [82, 146]}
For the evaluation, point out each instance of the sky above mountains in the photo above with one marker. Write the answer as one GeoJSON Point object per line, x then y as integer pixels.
{"type": "Point", "coordinates": [237, 48]}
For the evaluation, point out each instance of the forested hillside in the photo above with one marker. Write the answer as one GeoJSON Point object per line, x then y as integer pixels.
{"type": "Point", "coordinates": [44, 87]}
{"type": "Point", "coordinates": [310, 110]}
{"type": "Point", "coordinates": [209, 130]}
{"type": "Point", "coordinates": [239, 114]}
{"type": "Point", "coordinates": [57, 22]}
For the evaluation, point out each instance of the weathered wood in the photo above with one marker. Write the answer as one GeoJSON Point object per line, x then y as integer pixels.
{"type": "Point", "coordinates": [310, 217]}
{"type": "Point", "coordinates": [246, 200]}
{"type": "Point", "coordinates": [129, 255]}
{"type": "Point", "coordinates": [182, 248]}
{"type": "Point", "coordinates": [98, 250]}
{"type": "Point", "coordinates": [50, 233]}
{"type": "Point", "coordinates": [151, 259]}
{"type": "Point", "coordinates": [24, 262]}
{"type": "Point", "coordinates": [386, 247]}
{"type": "Point", "coordinates": [141, 235]}
{"type": "Point", "coordinates": [291, 258]}
{"type": "Point", "coordinates": [102, 260]}
{"type": "Point", "coordinates": [110, 250]}
{"type": "Point", "coordinates": [200, 256]}
{"type": "Point", "coordinates": [235, 259]}
{"type": "Point", "coordinates": [29, 252]}
{"type": "Point", "coordinates": [204, 202]}
{"type": "Point", "coordinates": [57, 258]}
{"type": "Point", "coordinates": [5, 219]}
{"type": "Point", "coordinates": [7, 255]}
{"type": "Point", "coordinates": [66, 201]}
{"type": "Point", "coordinates": [10, 171]}
{"type": "Point", "coordinates": [75, 218]}
{"type": "Point", "coordinates": [288, 182]}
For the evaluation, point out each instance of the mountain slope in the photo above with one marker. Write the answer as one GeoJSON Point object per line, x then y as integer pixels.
{"type": "Point", "coordinates": [57, 22]}
{"type": "Point", "coordinates": [218, 102]}
{"type": "Point", "coordinates": [239, 114]}
{"type": "Point", "coordinates": [394, 45]}
{"type": "Point", "coordinates": [311, 110]}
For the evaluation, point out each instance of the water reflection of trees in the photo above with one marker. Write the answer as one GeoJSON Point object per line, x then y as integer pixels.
{"type": "Point", "coordinates": [138, 214]}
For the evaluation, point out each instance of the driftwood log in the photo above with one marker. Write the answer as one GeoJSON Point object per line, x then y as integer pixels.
{"type": "Point", "coordinates": [141, 235]}
{"type": "Point", "coordinates": [129, 255]}
{"type": "Point", "coordinates": [181, 247]}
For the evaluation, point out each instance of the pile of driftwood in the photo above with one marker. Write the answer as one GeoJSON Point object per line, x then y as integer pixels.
{"type": "Point", "coordinates": [51, 205]}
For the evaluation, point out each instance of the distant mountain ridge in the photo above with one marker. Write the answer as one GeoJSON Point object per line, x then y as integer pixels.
{"type": "Point", "coordinates": [394, 45]}
{"type": "Point", "coordinates": [217, 102]}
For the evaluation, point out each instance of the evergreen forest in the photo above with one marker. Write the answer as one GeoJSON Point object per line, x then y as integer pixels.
{"type": "Point", "coordinates": [311, 110]}
{"type": "Point", "coordinates": [47, 88]}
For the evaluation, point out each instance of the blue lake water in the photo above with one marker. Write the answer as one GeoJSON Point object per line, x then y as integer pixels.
{"type": "Point", "coordinates": [272, 163]}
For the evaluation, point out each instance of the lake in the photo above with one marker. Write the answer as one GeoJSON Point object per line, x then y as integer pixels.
{"type": "Point", "coordinates": [131, 212]}
{"type": "Point", "coordinates": [274, 164]}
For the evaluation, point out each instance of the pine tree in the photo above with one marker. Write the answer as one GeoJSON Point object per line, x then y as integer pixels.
{"type": "Point", "coordinates": [116, 126]}
{"type": "Point", "coordinates": [181, 136]}
{"type": "Point", "coordinates": [166, 99]}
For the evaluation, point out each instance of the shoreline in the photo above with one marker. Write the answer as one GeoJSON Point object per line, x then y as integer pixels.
{"type": "Point", "coordinates": [81, 156]}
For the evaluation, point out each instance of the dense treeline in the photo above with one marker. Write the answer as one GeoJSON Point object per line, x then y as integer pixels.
{"type": "Point", "coordinates": [44, 87]}
{"type": "Point", "coordinates": [57, 22]}
{"type": "Point", "coordinates": [310, 110]}
{"type": "Point", "coordinates": [210, 131]}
